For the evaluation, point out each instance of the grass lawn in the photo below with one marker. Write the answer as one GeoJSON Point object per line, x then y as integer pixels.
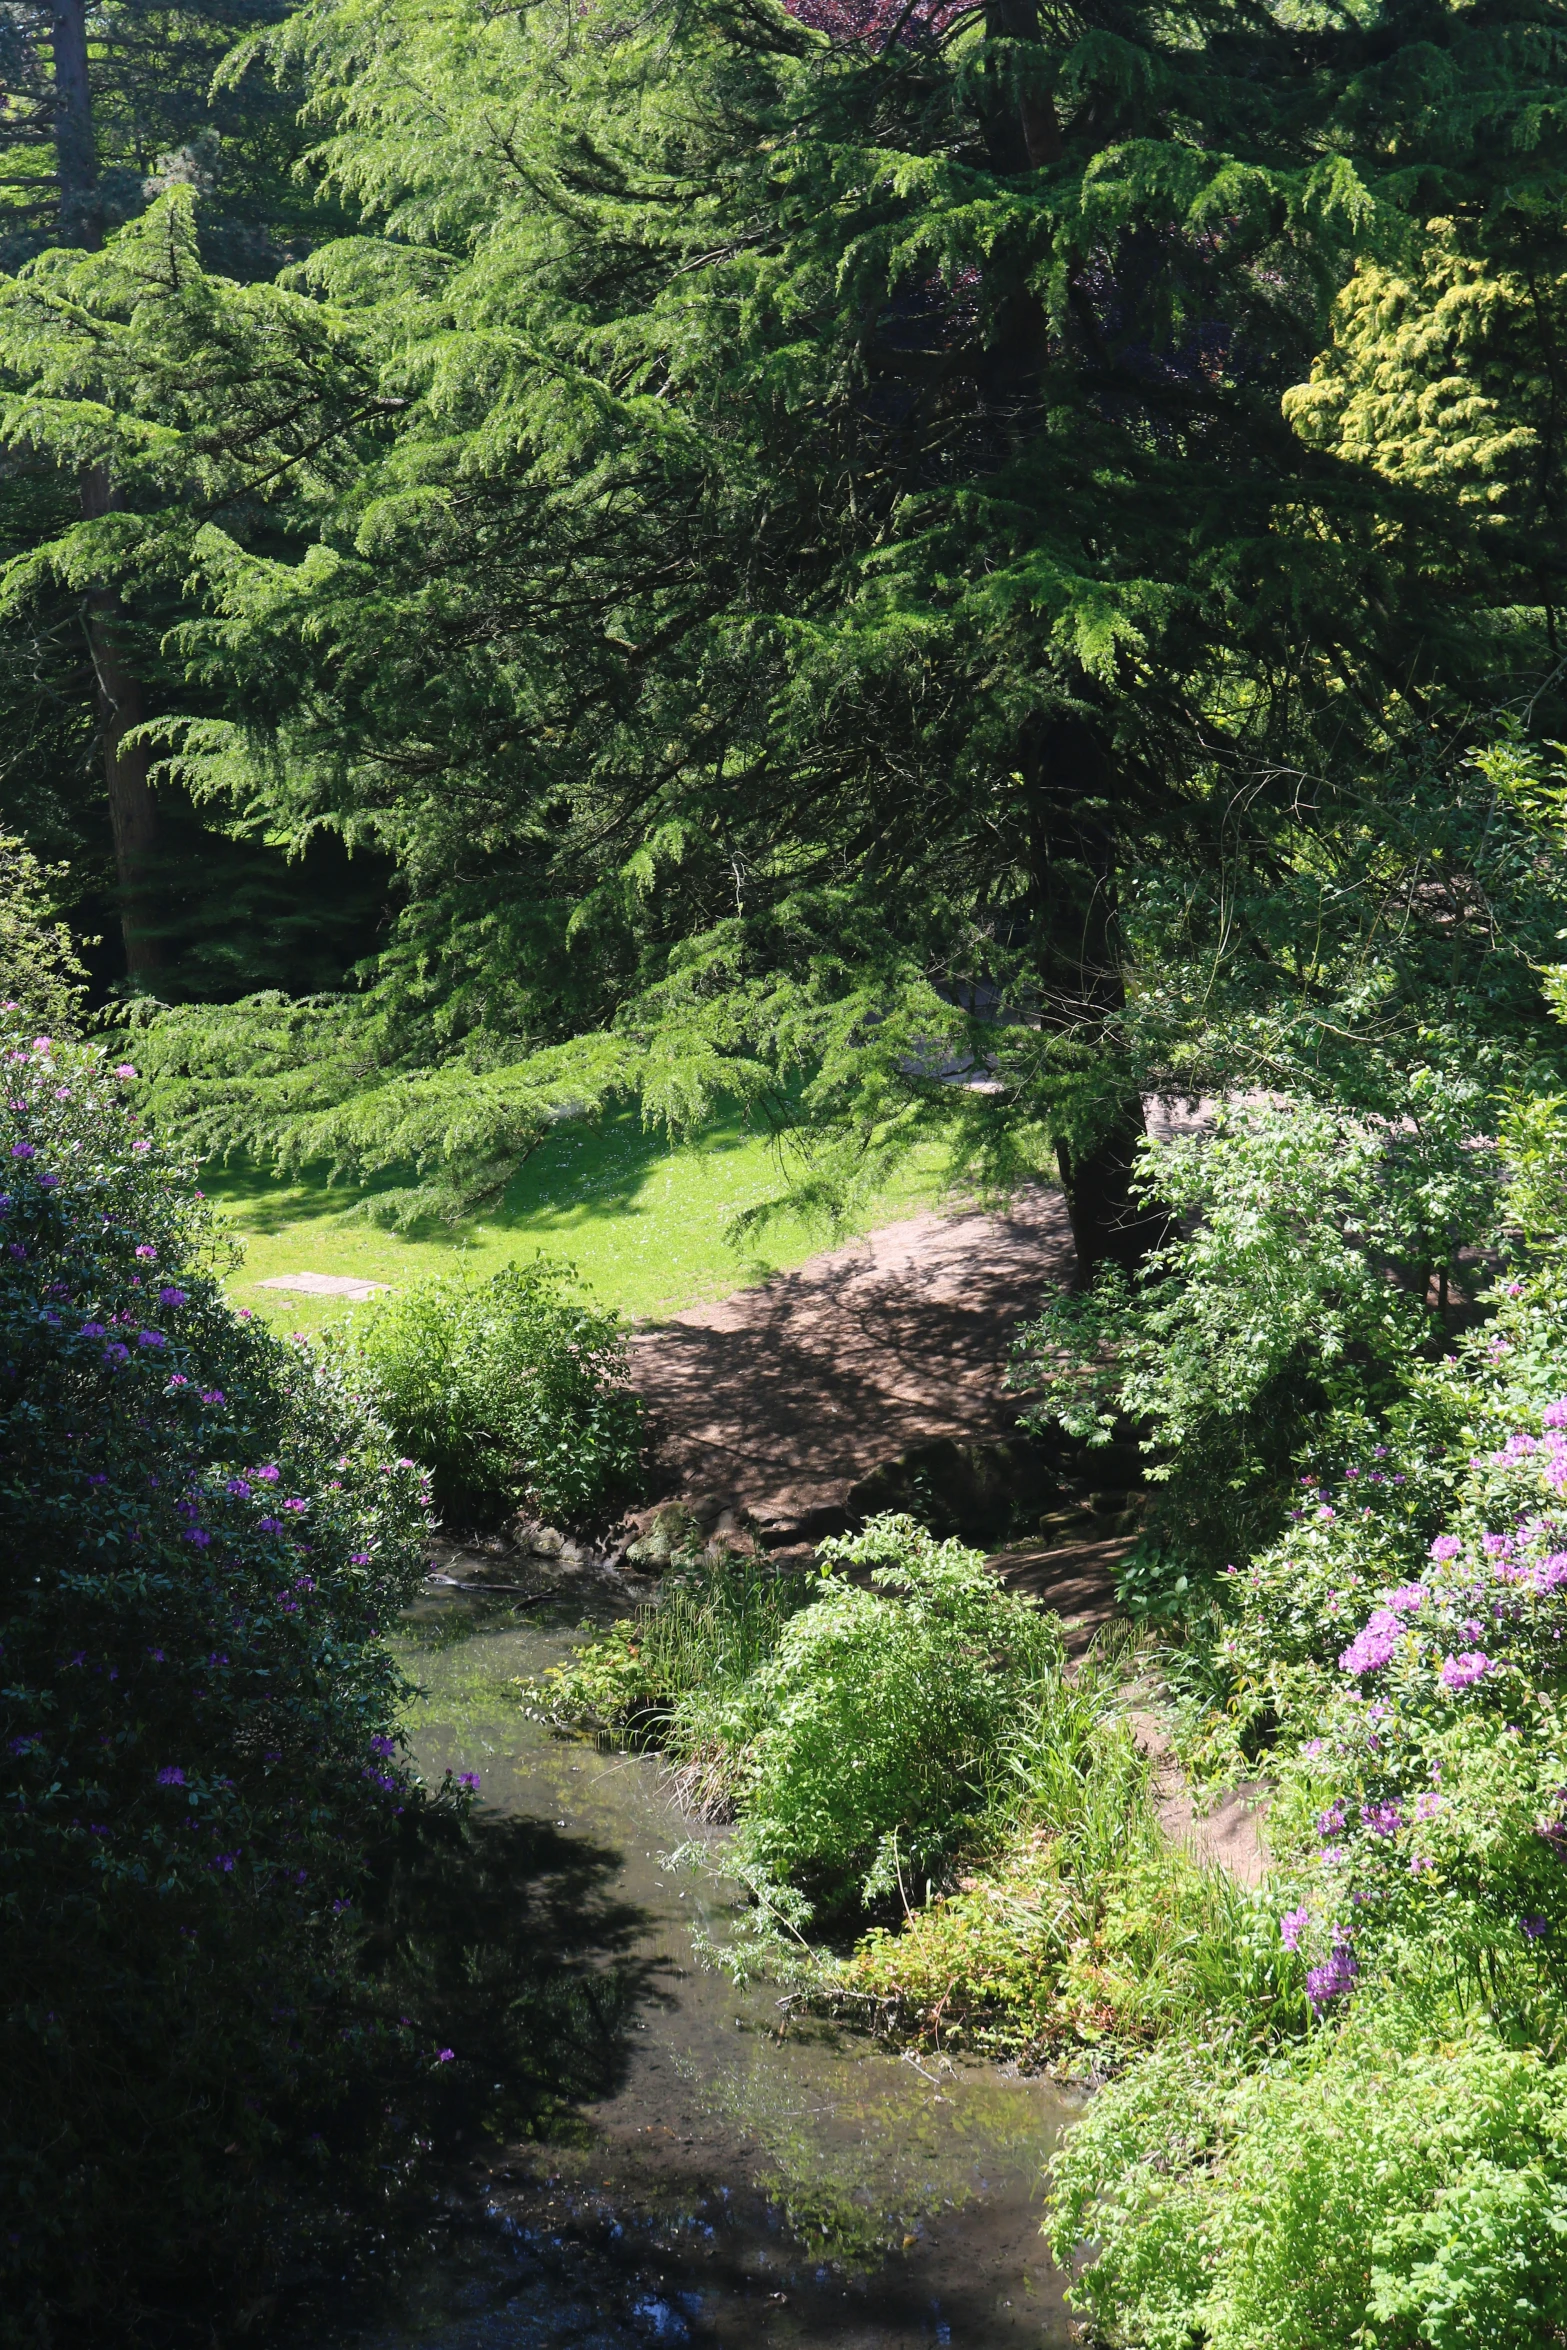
{"type": "Point", "coordinates": [643, 1224]}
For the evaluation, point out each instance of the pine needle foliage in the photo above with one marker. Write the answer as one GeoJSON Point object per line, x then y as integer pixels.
{"type": "Point", "coordinates": [791, 541]}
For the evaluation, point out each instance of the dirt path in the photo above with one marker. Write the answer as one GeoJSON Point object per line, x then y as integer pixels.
{"type": "Point", "coordinates": [782, 1397]}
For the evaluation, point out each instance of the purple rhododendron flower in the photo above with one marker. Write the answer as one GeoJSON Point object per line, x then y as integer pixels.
{"type": "Point", "coordinates": [1371, 1648]}
{"type": "Point", "coordinates": [1407, 1598]}
{"type": "Point", "coordinates": [470, 1780]}
{"type": "Point", "coordinates": [197, 1535]}
{"type": "Point", "coordinates": [1331, 1821]}
{"type": "Point", "coordinates": [173, 1297]}
{"type": "Point", "coordinates": [1556, 1413]}
{"type": "Point", "coordinates": [116, 1354]}
{"type": "Point", "coordinates": [383, 1746]}
{"type": "Point", "coordinates": [171, 1776]}
{"type": "Point", "coordinates": [124, 1070]}
{"type": "Point", "coordinates": [238, 1487]}
{"type": "Point", "coordinates": [48, 1182]}
{"type": "Point", "coordinates": [1427, 1806]}
{"type": "Point", "coordinates": [269, 1525]}
{"type": "Point", "coordinates": [1333, 1978]}
{"type": "Point", "coordinates": [266, 1474]}
{"type": "Point", "coordinates": [445, 2055]}
{"type": "Point", "coordinates": [359, 1558]}
{"type": "Point", "coordinates": [1383, 1819]}
{"type": "Point", "coordinates": [23, 1150]}
{"type": "Point", "coordinates": [147, 1253]}
{"type": "Point", "coordinates": [1534, 1928]}
{"type": "Point", "coordinates": [151, 1338]}
{"type": "Point", "coordinates": [1462, 1672]}
{"type": "Point", "coordinates": [1446, 1546]}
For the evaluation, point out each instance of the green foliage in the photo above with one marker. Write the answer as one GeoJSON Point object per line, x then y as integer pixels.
{"type": "Point", "coordinates": [39, 966]}
{"type": "Point", "coordinates": [855, 1732]}
{"type": "Point", "coordinates": [1374, 2187]}
{"type": "Point", "coordinates": [512, 1388]}
{"type": "Point", "coordinates": [203, 1535]}
{"type": "Point", "coordinates": [1292, 1300]}
{"type": "Point", "coordinates": [1080, 1922]}
{"type": "Point", "coordinates": [871, 1732]}
{"type": "Point", "coordinates": [860, 617]}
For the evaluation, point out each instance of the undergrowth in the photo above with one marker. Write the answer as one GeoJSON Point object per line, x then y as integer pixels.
{"type": "Point", "coordinates": [908, 1761]}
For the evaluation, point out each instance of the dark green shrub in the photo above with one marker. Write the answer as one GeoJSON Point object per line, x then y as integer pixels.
{"type": "Point", "coordinates": [202, 1532]}
{"type": "Point", "coordinates": [512, 1389]}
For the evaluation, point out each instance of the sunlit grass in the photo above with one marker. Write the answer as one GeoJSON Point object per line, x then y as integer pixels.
{"type": "Point", "coordinates": [644, 1224]}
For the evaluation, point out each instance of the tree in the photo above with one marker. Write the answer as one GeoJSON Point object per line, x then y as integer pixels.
{"type": "Point", "coordinates": [110, 101]}
{"type": "Point", "coordinates": [814, 584]}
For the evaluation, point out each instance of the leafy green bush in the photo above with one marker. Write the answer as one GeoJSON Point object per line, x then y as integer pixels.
{"type": "Point", "coordinates": [666, 1676]}
{"type": "Point", "coordinates": [866, 1742]}
{"type": "Point", "coordinates": [203, 1531]}
{"type": "Point", "coordinates": [1272, 1314]}
{"type": "Point", "coordinates": [1387, 2185]}
{"type": "Point", "coordinates": [856, 1734]}
{"type": "Point", "coordinates": [512, 1389]}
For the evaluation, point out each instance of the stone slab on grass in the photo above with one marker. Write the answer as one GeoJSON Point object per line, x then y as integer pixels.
{"type": "Point", "coordinates": [325, 1285]}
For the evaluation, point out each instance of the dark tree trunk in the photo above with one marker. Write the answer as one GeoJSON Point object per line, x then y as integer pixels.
{"type": "Point", "coordinates": [133, 811]}
{"type": "Point", "coordinates": [1110, 1225]}
{"type": "Point", "coordinates": [1073, 850]}
{"type": "Point", "coordinates": [76, 160]}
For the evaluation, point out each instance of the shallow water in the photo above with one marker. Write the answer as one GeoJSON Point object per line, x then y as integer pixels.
{"type": "Point", "coordinates": [751, 2180]}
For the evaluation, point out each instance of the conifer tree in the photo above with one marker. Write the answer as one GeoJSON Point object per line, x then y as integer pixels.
{"type": "Point", "coordinates": [792, 538]}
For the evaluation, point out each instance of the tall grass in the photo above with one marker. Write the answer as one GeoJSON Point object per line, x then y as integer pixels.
{"type": "Point", "coordinates": [1078, 1921]}
{"type": "Point", "coordinates": [667, 1676]}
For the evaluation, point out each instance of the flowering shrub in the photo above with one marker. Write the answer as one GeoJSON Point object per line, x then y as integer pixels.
{"type": "Point", "coordinates": [1404, 1653]}
{"type": "Point", "coordinates": [1401, 1654]}
{"type": "Point", "coordinates": [202, 1532]}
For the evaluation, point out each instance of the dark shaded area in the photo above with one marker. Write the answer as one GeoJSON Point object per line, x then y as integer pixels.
{"type": "Point", "coordinates": [498, 1940]}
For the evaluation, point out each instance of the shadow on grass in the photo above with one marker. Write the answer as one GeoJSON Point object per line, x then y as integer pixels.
{"type": "Point", "coordinates": [586, 1171]}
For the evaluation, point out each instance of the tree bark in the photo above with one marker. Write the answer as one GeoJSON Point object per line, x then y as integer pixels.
{"type": "Point", "coordinates": [133, 811]}
{"type": "Point", "coordinates": [1110, 1224]}
{"type": "Point", "coordinates": [76, 159]}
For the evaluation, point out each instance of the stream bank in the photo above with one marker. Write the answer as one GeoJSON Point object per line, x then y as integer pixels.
{"type": "Point", "coordinates": [739, 2185]}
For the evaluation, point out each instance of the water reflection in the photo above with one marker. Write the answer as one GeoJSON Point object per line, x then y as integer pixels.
{"type": "Point", "coordinates": [652, 2158]}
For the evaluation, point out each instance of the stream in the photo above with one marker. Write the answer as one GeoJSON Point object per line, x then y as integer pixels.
{"type": "Point", "coordinates": [750, 2180]}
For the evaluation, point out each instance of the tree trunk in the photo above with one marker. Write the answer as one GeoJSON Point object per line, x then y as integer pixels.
{"type": "Point", "coordinates": [1110, 1224]}
{"type": "Point", "coordinates": [76, 160]}
{"type": "Point", "coordinates": [133, 812]}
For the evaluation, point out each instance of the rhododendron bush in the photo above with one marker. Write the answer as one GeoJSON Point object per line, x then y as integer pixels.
{"type": "Point", "coordinates": [1396, 1666]}
{"type": "Point", "coordinates": [203, 1531]}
